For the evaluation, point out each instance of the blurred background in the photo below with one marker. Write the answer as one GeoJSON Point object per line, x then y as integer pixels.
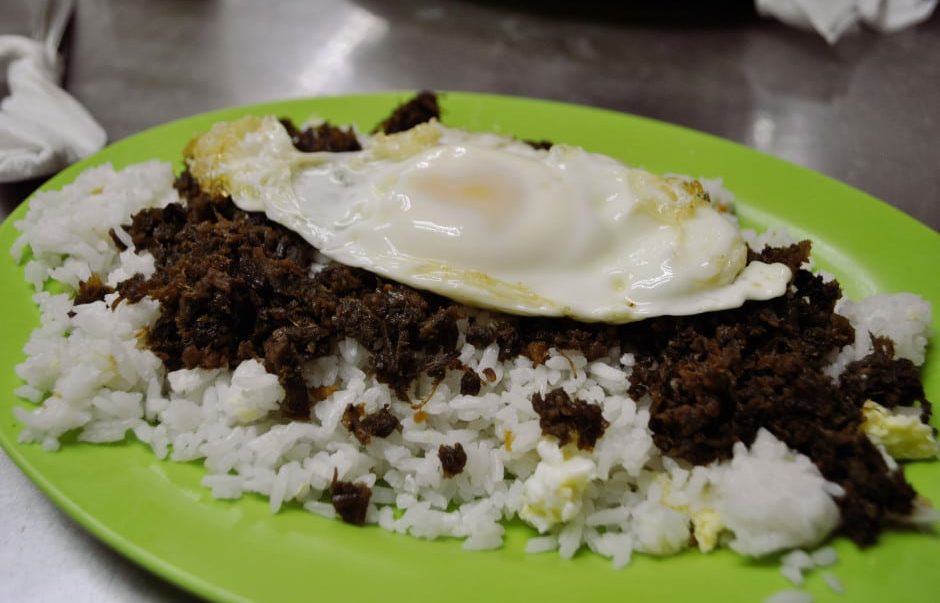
{"type": "Point", "coordinates": [864, 111]}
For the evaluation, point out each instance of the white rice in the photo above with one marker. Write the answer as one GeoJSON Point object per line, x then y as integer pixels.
{"type": "Point", "coordinates": [87, 373]}
{"type": "Point", "coordinates": [834, 584]}
{"type": "Point", "coordinates": [904, 318]}
{"type": "Point", "coordinates": [774, 499]}
{"type": "Point", "coordinates": [824, 556]}
{"type": "Point", "coordinates": [790, 596]}
{"type": "Point", "coordinates": [795, 564]}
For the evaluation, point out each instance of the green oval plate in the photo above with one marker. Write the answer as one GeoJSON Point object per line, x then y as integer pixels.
{"type": "Point", "coordinates": [157, 513]}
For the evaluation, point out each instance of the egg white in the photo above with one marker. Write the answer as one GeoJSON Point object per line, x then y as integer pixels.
{"type": "Point", "coordinates": [492, 222]}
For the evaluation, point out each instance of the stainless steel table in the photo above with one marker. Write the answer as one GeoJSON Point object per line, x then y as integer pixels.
{"type": "Point", "coordinates": [865, 112]}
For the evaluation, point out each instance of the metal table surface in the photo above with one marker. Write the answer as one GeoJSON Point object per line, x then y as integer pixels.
{"type": "Point", "coordinates": [864, 112]}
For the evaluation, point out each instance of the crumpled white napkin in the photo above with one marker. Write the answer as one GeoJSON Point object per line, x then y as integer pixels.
{"type": "Point", "coordinates": [832, 18]}
{"type": "Point", "coordinates": [42, 128]}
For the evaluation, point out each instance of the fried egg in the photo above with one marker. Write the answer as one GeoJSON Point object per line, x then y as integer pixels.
{"type": "Point", "coordinates": [492, 222]}
{"type": "Point", "coordinates": [553, 493]}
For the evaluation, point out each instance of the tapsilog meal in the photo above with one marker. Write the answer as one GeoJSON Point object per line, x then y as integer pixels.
{"type": "Point", "coordinates": [436, 331]}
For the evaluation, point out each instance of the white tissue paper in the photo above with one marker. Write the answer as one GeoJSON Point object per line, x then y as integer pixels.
{"type": "Point", "coordinates": [42, 128]}
{"type": "Point", "coordinates": [832, 18]}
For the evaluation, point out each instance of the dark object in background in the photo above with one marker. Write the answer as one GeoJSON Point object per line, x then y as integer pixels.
{"type": "Point", "coordinates": [684, 12]}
